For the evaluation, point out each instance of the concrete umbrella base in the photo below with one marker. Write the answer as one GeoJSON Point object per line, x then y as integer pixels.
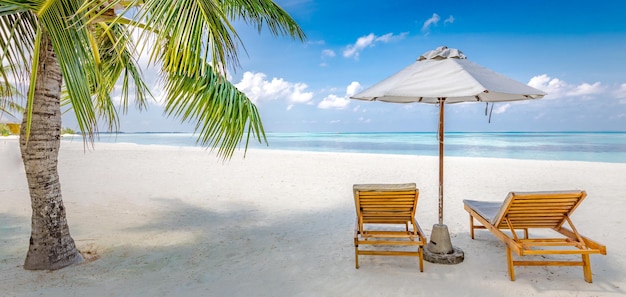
{"type": "Point", "coordinates": [439, 249]}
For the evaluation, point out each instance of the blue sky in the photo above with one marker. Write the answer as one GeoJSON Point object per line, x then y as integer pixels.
{"type": "Point", "coordinates": [573, 50]}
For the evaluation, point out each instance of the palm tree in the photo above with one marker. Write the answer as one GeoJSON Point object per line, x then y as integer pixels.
{"type": "Point", "coordinates": [75, 52]}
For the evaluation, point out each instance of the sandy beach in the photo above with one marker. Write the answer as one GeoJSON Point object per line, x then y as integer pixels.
{"type": "Point", "coordinates": [175, 221]}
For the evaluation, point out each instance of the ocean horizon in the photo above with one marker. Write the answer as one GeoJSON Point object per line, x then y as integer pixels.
{"type": "Point", "coordinates": [567, 146]}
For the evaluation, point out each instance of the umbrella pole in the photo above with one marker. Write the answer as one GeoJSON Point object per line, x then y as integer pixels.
{"type": "Point", "coordinates": [439, 249]}
{"type": "Point", "coordinates": [441, 111]}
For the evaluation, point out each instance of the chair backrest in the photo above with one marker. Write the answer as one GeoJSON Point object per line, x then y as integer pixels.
{"type": "Point", "coordinates": [385, 203]}
{"type": "Point", "coordinates": [538, 209]}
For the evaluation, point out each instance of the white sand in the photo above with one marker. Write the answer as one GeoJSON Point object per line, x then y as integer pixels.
{"type": "Point", "coordinates": [170, 221]}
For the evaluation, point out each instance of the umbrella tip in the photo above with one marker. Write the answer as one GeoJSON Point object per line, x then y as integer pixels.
{"type": "Point", "coordinates": [442, 53]}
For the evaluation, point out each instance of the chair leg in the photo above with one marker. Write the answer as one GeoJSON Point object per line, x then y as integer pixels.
{"type": "Point", "coordinates": [587, 268]}
{"type": "Point", "coordinates": [509, 258]}
{"type": "Point", "coordinates": [471, 226]}
{"type": "Point", "coordinates": [356, 253]}
{"type": "Point", "coordinates": [421, 252]}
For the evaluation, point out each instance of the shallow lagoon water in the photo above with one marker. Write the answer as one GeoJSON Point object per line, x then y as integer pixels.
{"type": "Point", "coordinates": [571, 146]}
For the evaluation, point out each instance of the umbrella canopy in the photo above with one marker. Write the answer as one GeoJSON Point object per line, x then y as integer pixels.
{"type": "Point", "coordinates": [444, 75]}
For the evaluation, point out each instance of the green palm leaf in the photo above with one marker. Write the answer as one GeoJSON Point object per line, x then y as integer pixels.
{"type": "Point", "coordinates": [222, 113]}
{"type": "Point", "coordinates": [80, 72]}
{"type": "Point", "coordinates": [193, 42]}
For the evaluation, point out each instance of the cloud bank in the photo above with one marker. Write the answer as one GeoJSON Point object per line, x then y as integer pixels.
{"type": "Point", "coordinates": [258, 88]}
{"type": "Point", "coordinates": [557, 88]}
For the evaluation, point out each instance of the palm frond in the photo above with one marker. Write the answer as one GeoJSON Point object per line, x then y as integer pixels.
{"type": "Point", "coordinates": [120, 61]}
{"type": "Point", "coordinates": [17, 34]}
{"type": "Point", "coordinates": [114, 50]}
{"type": "Point", "coordinates": [196, 42]}
{"type": "Point", "coordinates": [222, 113]}
{"type": "Point", "coordinates": [80, 73]}
{"type": "Point", "coordinates": [10, 95]}
{"type": "Point", "coordinates": [193, 43]}
{"type": "Point", "coordinates": [189, 33]}
{"type": "Point", "coordinates": [8, 104]}
{"type": "Point", "coordinates": [265, 12]}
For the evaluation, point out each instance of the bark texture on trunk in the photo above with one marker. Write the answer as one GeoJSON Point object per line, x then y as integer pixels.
{"type": "Point", "coordinates": [51, 246]}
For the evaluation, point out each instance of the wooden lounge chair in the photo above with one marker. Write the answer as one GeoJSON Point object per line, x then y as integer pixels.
{"type": "Point", "coordinates": [385, 215]}
{"type": "Point", "coordinates": [536, 210]}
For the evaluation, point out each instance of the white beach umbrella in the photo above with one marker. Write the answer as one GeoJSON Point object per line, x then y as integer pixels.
{"type": "Point", "coordinates": [444, 76]}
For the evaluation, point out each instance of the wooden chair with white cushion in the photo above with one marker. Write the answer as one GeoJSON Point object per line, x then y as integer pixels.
{"type": "Point", "coordinates": [385, 217]}
{"type": "Point", "coordinates": [536, 210]}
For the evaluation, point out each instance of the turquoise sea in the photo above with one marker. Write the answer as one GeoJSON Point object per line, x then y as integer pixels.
{"type": "Point", "coordinates": [572, 146]}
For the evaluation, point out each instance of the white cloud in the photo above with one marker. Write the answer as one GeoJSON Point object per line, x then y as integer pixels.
{"type": "Point", "coordinates": [369, 40]}
{"type": "Point", "coordinates": [501, 108]}
{"type": "Point", "coordinates": [449, 20]}
{"type": "Point", "coordinates": [353, 88]}
{"type": "Point", "coordinates": [433, 20]}
{"type": "Point", "coordinates": [553, 86]}
{"type": "Point", "coordinates": [328, 53]}
{"type": "Point", "coordinates": [365, 120]}
{"type": "Point", "coordinates": [315, 42]}
{"type": "Point", "coordinates": [557, 88]}
{"type": "Point", "coordinates": [361, 43]}
{"type": "Point", "coordinates": [621, 93]}
{"type": "Point", "coordinates": [334, 101]}
{"type": "Point", "coordinates": [298, 95]}
{"type": "Point", "coordinates": [586, 89]}
{"type": "Point", "coordinates": [337, 102]}
{"type": "Point", "coordinates": [359, 109]}
{"type": "Point", "coordinates": [389, 37]}
{"type": "Point", "coordinates": [258, 88]}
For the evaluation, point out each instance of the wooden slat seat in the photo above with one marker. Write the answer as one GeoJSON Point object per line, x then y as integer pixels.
{"type": "Point", "coordinates": [536, 210]}
{"type": "Point", "coordinates": [380, 208]}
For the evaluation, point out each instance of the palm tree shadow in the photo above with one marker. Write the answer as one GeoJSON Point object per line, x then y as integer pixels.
{"type": "Point", "coordinates": [237, 250]}
{"type": "Point", "coordinates": [232, 248]}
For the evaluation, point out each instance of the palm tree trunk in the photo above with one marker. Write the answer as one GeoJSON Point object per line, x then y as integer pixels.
{"type": "Point", "coordinates": [51, 246]}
